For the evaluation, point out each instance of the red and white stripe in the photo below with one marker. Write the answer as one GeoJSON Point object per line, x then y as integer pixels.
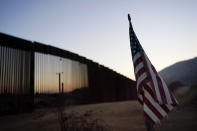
{"type": "Point", "coordinates": [153, 92]}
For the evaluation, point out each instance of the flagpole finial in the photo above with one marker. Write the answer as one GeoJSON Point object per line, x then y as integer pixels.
{"type": "Point", "coordinates": [129, 18]}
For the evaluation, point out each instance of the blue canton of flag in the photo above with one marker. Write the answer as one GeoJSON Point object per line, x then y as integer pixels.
{"type": "Point", "coordinates": [135, 44]}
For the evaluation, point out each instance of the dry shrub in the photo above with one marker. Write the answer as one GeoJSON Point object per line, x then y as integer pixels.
{"type": "Point", "coordinates": [75, 121]}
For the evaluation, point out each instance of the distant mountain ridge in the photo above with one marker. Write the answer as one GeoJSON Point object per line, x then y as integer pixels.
{"type": "Point", "coordinates": [184, 72]}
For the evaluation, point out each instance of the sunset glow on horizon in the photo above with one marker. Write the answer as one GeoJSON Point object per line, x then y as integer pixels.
{"type": "Point", "coordinates": [73, 74]}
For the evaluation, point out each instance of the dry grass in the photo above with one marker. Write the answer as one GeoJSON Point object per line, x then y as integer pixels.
{"type": "Point", "coordinates": [117, 116]}
{"type": "Point", "coordinates": [81, 122]}
{"type": "Point", "coordinates": [75, 121]}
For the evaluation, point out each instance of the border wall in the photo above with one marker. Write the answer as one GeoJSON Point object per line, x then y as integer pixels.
{"type": "Point", "coordinates": [28, 68]}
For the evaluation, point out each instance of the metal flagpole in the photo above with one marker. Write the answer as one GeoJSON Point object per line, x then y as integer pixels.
{"type": "Point", "coordinates": [149, 126]}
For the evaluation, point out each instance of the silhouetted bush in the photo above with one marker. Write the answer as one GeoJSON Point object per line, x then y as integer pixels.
{"type": "Point", "coordinates": [175, 85]}
{"type": "Point", "coordinates": [79, 122]}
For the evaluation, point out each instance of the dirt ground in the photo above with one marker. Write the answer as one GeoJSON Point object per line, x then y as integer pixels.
{"type": "Point", "coordinates": [182, 119]}
{"type": "Point", "coordinates": [117, 116]}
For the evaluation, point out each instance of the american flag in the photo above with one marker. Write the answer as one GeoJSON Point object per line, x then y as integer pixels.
{"type": "Point", "coordinates": [152, 91]}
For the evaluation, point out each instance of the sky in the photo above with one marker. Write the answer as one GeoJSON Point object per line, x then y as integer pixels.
{"type": "Point", "coordinates": [99, 29]}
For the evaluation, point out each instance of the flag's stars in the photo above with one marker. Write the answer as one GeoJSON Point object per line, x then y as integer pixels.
{"type": "Point", "coordinates": [135, 45]}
